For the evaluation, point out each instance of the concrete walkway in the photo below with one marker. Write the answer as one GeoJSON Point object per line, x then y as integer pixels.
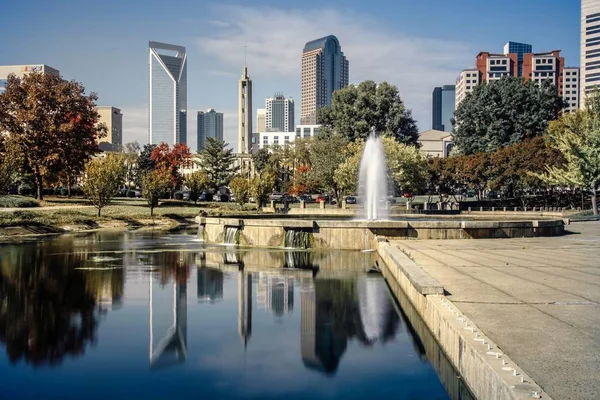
{"type": "Point", "coordinates": [538, 299]}
{"type": "Point", "coordinates": [45, 208]}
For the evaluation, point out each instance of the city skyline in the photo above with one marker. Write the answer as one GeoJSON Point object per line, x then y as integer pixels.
{"type": "Point", "coordinates": [381, 42]}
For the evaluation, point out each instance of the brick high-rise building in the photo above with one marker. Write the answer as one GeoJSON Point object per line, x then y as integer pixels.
{"type": "Point", "coordinates": [324, 70]}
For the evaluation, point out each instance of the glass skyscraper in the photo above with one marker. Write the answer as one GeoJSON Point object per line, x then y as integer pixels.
{"type": "Point", "coordinates": [210, 124]}
{"type": "Point", "coordinates": [443, 108]}
{"type": "Point", "coordinates": [279, 113]}
{"type": "Point", "coordinates": [519, 49]}
{"type": "Point", "coordinates": [167, 106]}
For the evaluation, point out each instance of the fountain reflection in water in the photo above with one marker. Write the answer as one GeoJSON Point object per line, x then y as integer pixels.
{"type": "Point", "coordinates": [372, 180]}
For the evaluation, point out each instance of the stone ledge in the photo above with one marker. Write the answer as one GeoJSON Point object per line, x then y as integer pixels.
{"type": "Point", "coordinates": [420, 279]}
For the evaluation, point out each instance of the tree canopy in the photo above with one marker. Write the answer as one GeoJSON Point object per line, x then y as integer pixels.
{"type": "Point", "coordinates": [503, 112]}
{"type": "Point", "coordinates": [52, 123]}
{"type": "Point", "coordinates": [218, 163]}
{"type": "Point", "coordinates": [356, 111]}
{"type": "Point", "coordinates": [103, 175]}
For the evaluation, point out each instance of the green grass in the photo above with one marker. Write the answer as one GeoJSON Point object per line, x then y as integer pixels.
{"type": "Point", "coordinates": [14, 201]}
{"type": "Point", "coordinates": [131, 211]}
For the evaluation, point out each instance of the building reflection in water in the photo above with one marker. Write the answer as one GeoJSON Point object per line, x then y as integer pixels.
{"type": "Point", "coordinates": [172, 347]}
{"type": "Point", "coordinates": [244, 306]}
{"type": "Point", "coordinates": [275, 292]}
{"type": "Point", "coordinates": [210, 285]}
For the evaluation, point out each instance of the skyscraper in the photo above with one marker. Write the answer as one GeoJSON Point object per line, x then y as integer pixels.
{"type": "Point", "coordinates": [279, 113]}
{"type": "Point", "coordinates": [210, 124]}
{"type": "Point", "coordinates": [443, 108]}
{"type": "Point", "coordinates": [167, 105]}
{"type": "Point", "coordinates": [590, 48]}
{"type": "Point", "coordinates": [519, 49]}
{"type": "Point", "coordinates": [324, 70]}
{"type": "Point", "coordinates": [113, 119]}
{"type": "Point", "coordinates": [261, 119]}
{"type": "Point", "coordinates": [245, 113]}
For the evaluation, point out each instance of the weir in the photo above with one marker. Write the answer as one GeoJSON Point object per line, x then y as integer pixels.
{"type": "Point", "coordinates": [231, 235]}
{"type": "Point", "coordinates": [297, 239]}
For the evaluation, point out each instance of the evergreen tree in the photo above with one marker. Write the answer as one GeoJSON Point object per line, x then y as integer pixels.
{"type": "Point", "coordinates": [218, 163]}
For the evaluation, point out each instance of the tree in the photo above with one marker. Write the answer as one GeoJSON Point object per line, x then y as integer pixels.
{"type": "Point", "coordinates": [154, 185]}
{"type": "Point", "coordinates": [172, 160]}
{"type": "Point", "coordinates": [50, 119]}
{"type": "Point", "coordinates": [240, 186]}
{"type": "Point", "coordinates": [196, 182]}
{"type": "Point", "coordinates": [145, 162]}
{"type": "Point", "coordinates": [9, 164]}
{"type": "Point", "coordinates": [131, 153]}
{"type": "Point", "coordinates": [102, 178]}
{"type": "Point", "coordinates": [327, 153]}
{"type": "Point", "coordinates": [261, 187]}
{"type": "Point", "coordinates": [357, 111]}
{"type": "Point", "coordinates": [503, 112]}
{"type": "Point", "coordinates": [577, 136]}
{"type": "Point", "coordinates": [346, 175]}
{"type": "Point", "coordinates": [407, 165]}
{"type": "Point", "coordinates": [260, 159]}
{"type": "Point", "coordinates": [218, 162]}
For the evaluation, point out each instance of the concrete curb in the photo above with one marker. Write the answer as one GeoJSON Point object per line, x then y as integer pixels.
{"type": "Point", "coordinates": [487, 371]}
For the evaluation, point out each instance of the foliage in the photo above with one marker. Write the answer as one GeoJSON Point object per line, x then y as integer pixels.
{"type": "Point", "coordinates": [154, 185]}
{"type": "Point", "coordinates": [577, 137]}
{"type": "Point", "coordinates": [131, 153]}
{"type": "Point", "coordinates": [503, 112]}
{"type": "Point", "coordinates": [260, 159]}
{"type": "Point", "coordinates": [407, 165]}
{"type": "Point", "coordinates": [357, 111]}
{"type": "Point", "coordinates": [326, 154]}
{"type": "Point", "coordinates": [218, 162]}
{"type": "Point", "coordinates": [346, 175]}
{"type": "Point", "coordinates": [13, 201]}
{"type": "Point", "coordinates": [240, 186]}
{"type": "Point", "coordinates": [145, 162]}
{"type": "Point", "coordinates": [103, 176]}
{"type": "Point", "coordinates": [9, 164]}
{"type": "Point", "coordinates": [197, 182]}
{"type": "Point", "coordinates": [52, 123]}
{"type": "Point", "coordinates": [261, 187]}
{"type": "Point", "coordinates": [172, 160]}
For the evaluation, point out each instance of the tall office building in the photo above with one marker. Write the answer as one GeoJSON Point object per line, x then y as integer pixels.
{"type": "Point", "coordinates": [465, 83]}
{"type": "Point", "coordinates": [167, 105]}
{"type": "Point", "coordinates": [245, 113]}
{"type": "Point", "coordinates": [21, 70]}
{"type": "Point", "coordinates": [519, 49]}
{"type": "Point", "coordinates": [590, 48]}
{"type": "Point", "coordinates": [209, 124]}
{"type": "Point", "coordinates": [279, 114]}
{"type": "Point", "coordinates": [571, 88]}
{"type": "Point", "coordinates": [261, 119]}
{"type": "Point", "coordinates": [443, 108]}
{"type": "Point", "coordinates": [113, 119]}
{"type": "Point", "coordinates": [324, 70]}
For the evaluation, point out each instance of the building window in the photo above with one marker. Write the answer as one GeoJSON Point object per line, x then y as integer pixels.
{"type": "Point", "coordinates": [306, 132]}
{"type": "Point", "coordinates": [286, 139]}
{"type": "Point", "coordinates": [265, 140]}
{"type": "Point", "coordinates": [568, 79]}
{"type": "Point", "coordinates": [538, 61]}
{"type": "Point", "coordinates": [503, 62]}
{"type": "Point", "coordinates": [276, 140]}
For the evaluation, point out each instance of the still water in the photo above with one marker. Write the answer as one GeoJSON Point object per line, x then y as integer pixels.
{"type": "Point", "coordinates": [141, 315]}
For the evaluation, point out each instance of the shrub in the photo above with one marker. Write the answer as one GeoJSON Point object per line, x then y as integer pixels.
{"type": "Point", "coordinates": [25, 189]}
{"type": "Point", "coordinates": [17, 201]}
{"type": "Point", "coordinates": [178, 195]}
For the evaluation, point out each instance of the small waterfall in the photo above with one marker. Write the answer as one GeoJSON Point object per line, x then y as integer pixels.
{"type": "Point", "coordinates": [298, 259]}
{"type": "Point", "coordinates": [231, 235]}
{"type": "Point", "coordinates": [201, 232]}
{"type": "Point", "coordinates": [297, 239]}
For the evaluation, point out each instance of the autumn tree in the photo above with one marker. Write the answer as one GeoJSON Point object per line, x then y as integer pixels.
{"type": "Point", "coordinates": [261, 187]}
{"type": "Point", "coordinates": [326, 154]}
{"type": "Point", "coordinates": [240, 186]}
{"type": "Point", "coordinates": [260, 159]}
{"type": "Point", "coordinates": [50, 119]}
{"type": "Point", "coordinates": [218, 162]}
{"type": "Point", "coordinates": [131, 157]}
{"type": "Point", "coordinates": [502, 112]}
{"type": "Point", "coordinates": [155, 184]}
{"type": "Point", "coordinates": [346, 174]}
{"type": "Point", "coordinates": [172, 160]}
{"type": "Point", "coordinates": [358, 110]}
{"type": "Point", "coordinates": [197, 182]}
{"type": "Point", "coordinates": [102, 178]}
{"type": "Point", "coordinates": [9, 164]}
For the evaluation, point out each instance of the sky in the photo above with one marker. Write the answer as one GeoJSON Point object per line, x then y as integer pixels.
{"type": "Point", "coordinates": [415, 45]}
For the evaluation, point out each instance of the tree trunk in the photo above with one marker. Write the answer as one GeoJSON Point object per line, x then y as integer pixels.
{"type": "Point", "coordinates": [39, 185]}
{"type": "Point", "coordinates": [99, 208]}
{"type": "Point", "coordinates": [69, 191]}
{"type": "Point", "coordinates": [594, 201]}
{"type": "Point", "coordinates": [151, 211]}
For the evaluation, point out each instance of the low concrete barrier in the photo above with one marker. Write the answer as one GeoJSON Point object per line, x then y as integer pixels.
{"type": "Point", "coordinates": [486, 370]}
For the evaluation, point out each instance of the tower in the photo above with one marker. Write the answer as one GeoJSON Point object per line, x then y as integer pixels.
{"type": "Point", "coordinates": [245, 113]}
{"type": "Point", "coordinates": [589, 75]}
{"type": "Point", "coordinates": [167, 102]}
{"type": "Point", "coordinates": [324, 70]}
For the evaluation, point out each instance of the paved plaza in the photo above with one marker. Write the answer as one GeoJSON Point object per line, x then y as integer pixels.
{"type": "Point", "coordinates": [538, 299]}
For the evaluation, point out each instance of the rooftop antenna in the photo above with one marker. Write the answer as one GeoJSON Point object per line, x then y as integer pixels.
{"type": "Point", "coordinates": [245, 51]}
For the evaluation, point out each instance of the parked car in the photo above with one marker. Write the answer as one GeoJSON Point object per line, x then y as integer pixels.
{"type": "Point", "coordinates": [186, 195]}
{"type": "Point", "coordinates": [492, 195]}
{"type": "Point", "coordinates": [138, 193]}
{"type": "Point", "coordinates": [351, 200]}
{"type": "Point", "coordinates": [306, 198]}
{"type": "Point", "coordinates": [407, 195]}
{"type": "Point", "coordinates": [277, 197]}
{"type": "Point", "coordinates": [323, 197]}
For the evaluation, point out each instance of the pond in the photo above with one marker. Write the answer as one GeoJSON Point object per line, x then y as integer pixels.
{"type": "Point", "coordinates": [147, 315]}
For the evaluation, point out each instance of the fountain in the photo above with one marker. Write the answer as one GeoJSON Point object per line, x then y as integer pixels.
{"type": "Point", "coordinates": [372, 180]}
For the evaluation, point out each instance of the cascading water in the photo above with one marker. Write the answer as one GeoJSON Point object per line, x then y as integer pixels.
{"type": "Point", "coordinates": [372, 180]}
{"type": "Point", "coordinates": [231, 235]}
{"type": "Point", "coordinates": [296, 239]}
{"type": "Point", "coordinates": [201, 232]}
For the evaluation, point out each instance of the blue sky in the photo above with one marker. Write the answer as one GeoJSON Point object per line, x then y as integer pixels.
{"type": "Point", "coordinates": [415, 45]}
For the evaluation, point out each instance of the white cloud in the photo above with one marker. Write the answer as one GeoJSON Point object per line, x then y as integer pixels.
{"type": "Point", "coordinates": [275, 39]}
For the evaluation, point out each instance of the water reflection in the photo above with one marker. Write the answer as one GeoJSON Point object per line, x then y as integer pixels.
{"type": "Point", "coordinates": [56, 294]}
